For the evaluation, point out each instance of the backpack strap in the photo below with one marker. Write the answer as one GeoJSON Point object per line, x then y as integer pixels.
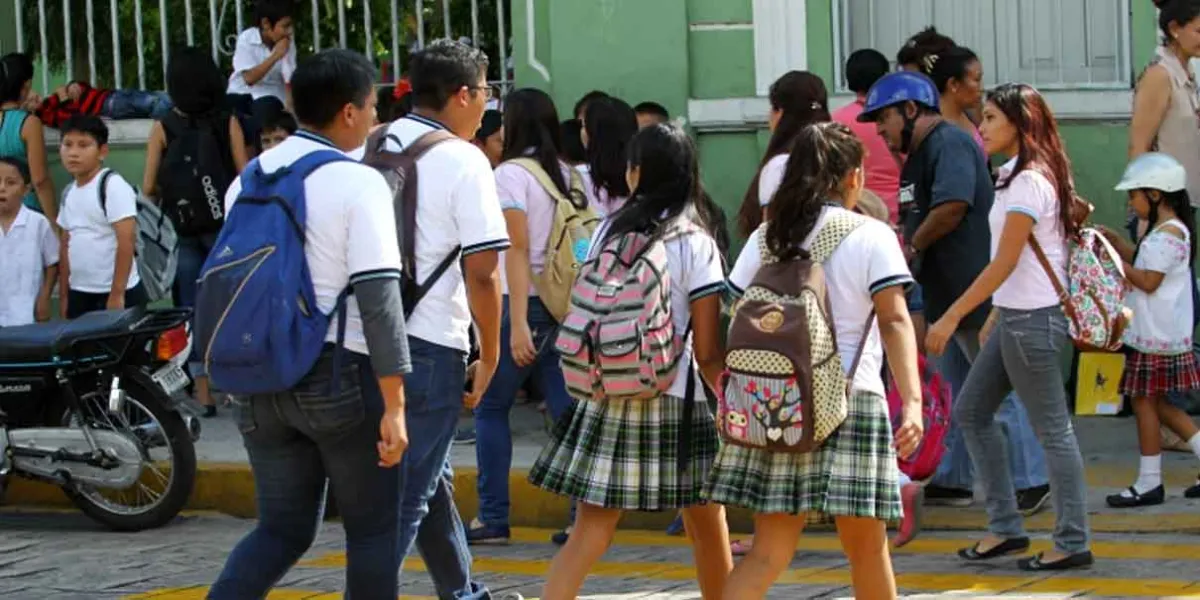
{"type": "Point", "coordinates": [102, 191]}
{"type": "Point", "coordinates": [535, 168]}
{"type": "Point", "coordinates": [1068, 305]}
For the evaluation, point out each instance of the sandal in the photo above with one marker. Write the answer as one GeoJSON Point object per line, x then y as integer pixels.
{"type": "Point", "coordinates": [1009, 546]}
{"type": "Point", "coordinates": [1081, 560]}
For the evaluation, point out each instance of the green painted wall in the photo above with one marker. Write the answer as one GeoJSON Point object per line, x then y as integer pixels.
{"type": "Point", "coordinates": [8, 31]}
{"type": "Point", "coordinates": [719, 11]}
{"type": "Point", "coordinates": [589, 45]}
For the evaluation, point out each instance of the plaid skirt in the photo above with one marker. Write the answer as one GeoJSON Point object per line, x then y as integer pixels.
{"type": "Point", "coordinates": [852, 475]}
{"type": "Point", "coordinates": [1158, 374]}
{"type": "Point", "coordinates": [625, 454]}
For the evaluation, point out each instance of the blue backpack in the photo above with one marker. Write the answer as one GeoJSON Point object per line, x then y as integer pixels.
{"type": "Point", "coordinates": [258, 327]}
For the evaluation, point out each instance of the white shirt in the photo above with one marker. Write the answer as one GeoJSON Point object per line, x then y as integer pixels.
{"type": "Point", "coordinates": [519, 189]}
{"type": "Point", "coordinates": [1162, 321]}
{"type": "Point", "coordinates": [92, 245]}
{"type": "Point", "coordinates": [694, 264]}
{"type": "Point", "coordinates": [350, 228]}
{"type": "Point", "coordinates": [1031, 194]}
{"type": "Point", "coordinates": [771, 177]}
{"type": "Point", "coordinates": [457, 205]}
{"type": "Point", "coordinates": [868, 260]}
{"type": "Point", "coordinates": [28, 247]}
{"type": "Point", "coordinates": [250, 52]}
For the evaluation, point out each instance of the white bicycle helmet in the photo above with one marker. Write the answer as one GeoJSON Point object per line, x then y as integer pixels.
{"type": "Point", "coordinates": [1153, 171]}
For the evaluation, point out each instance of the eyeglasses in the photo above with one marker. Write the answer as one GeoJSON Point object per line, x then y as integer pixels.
{"type": "Point", "coordinates": [489, 91]}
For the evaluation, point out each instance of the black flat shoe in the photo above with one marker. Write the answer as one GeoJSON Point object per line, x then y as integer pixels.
{"type": "Point", "coordinates": [1153, 497]}
{"type": "Point", "coordinates": [1194, 491]}
{"type": "Point", "coordinates": [1082, 560]}
{"type": "Point", "coordinates": [1009, 546]}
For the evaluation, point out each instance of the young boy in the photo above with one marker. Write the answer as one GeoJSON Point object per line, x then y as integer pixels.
{"type": "Point", "coordinates": [277, 127]}
{"type": "Point", "coordinates": [264, 59]}
{"type": "Point", "coordinates": [99, 225]}
{"type": "Point", "coordinates": [651, 113]}
{"type": "Point", "coordinates": [29, 267]}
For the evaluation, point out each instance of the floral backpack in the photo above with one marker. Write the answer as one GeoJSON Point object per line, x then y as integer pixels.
{"type": "Point", "coordinates": [1094, 296]}
{"type": "Point", "coordinates": [784, 388]}
{"type": "Point", "coordinates": [936, 398]}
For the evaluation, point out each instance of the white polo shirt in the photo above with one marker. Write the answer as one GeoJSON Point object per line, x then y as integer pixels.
{"type": "Point", "coordinates": [350, 228]}
{"type": "Point", "coordinates": [457, 205]}
{"type": "Point", "coordinates": [27, 248]}
{"type": "Point", "coordinates": [92, 242]}
{"type": "Point", "coordinates": [251, 52]}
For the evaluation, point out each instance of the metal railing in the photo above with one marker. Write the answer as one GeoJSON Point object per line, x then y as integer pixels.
{"type": "Point", "coordinates": [142, 33]}
{"type": "Point", "coordinates": [1053, 44]}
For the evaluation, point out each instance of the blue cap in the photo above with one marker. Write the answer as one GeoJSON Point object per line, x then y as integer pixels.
{"type": "Point", "coordinates": [898, 88]}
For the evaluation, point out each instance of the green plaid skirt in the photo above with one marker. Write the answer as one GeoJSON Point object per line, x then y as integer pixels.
{"type": "Point", "coordinates": [853, 475]}
{"type": "Point", "coordinates": [625, 454]}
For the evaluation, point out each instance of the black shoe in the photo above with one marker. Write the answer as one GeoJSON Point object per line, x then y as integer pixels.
{"type": "Point", "coordinates": [1153, 497]}
{"type": "Point", "coordinates": [465, 436]}
{"type": "Point", "coordinates": [210, 411]}
{"type": "Point", "coordinates": [1082, 560]}
{"type": "Point", "coordinates": [1031, 501]}
{"type": "Point", "coordinates": [944, 496]}
{"type": "Point", "coordinates": [1194, 491]}
{"type": "Point", "coordinates": [560, 537]}
{"type": "Point", "coordinates": [1009, 546]}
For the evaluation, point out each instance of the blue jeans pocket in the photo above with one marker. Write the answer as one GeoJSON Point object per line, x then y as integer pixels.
{"type": "Point", "coordinates": [243, 414]}
{"type": "Point", "coordinates": [329, 414]}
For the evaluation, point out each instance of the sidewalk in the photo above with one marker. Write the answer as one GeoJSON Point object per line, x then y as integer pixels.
{"type": "Point", "coordinates": [1109, 447]}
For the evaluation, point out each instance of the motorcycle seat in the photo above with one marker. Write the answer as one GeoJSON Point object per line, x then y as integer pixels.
{"type": "Point", "coordinates": [54, 340]}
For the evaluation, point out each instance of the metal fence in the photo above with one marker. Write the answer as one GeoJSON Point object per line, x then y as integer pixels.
{"type": "Point", "coordinates": [107, 41]}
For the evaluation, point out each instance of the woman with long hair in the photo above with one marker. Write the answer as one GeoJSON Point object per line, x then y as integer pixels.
{"type": "Point", "coordinates": [619, 454]}
{"type": "Point", "coordinates": [1026, 332]}
{"type": "Point", "coordinates": [528, 329]}
{"type": "Point", "coordinates": [22, 135]}
{"type": "Point", "coordinates": [608, 126]}
{"type": "Point", "coordinates": [852, 478]}
{"type": "Point", "coordinates": [197, 90]}
{"type": "Point", "coordinates": [798, 98]}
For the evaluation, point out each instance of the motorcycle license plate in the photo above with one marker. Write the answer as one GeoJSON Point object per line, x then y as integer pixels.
{"type": "Point", "coordinates": [171, 378]}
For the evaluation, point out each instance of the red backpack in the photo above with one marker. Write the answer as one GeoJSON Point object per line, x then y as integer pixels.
{"type": "Point", "coordinates": [935, 410]}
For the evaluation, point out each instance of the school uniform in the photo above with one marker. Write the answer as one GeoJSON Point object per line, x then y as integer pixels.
{"type": "Point", "coordinates": [624, 454]}
{"type": "Point", "coordinates": [92, 242]}
{"type": "Point", "coordinates": [27, 248]}
{"type": "Point", "coordinates": [854, 472]}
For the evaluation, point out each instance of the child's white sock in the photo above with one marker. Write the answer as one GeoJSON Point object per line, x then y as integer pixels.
{"type": "Point", "coordinates": [1195, 444]}
{"type": "Point", "coordinates": [1149, 475]}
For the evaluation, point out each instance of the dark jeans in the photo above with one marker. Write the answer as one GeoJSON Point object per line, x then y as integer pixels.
{"type": "Point", "coordinates": [428, 517]}
{"type": "Point", "coordinates": [193, 251]}
{"type": "Point", "coordinates": [296, 440]}
{"type": "Point", "coordinates": [493, 434]}
{"type": "Point", "coordinates": [136, 104]}
{"type": "Point", "coordinates": [79, 302]}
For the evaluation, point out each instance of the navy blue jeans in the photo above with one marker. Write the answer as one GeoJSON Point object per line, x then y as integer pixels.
{"type": "Point", "coordinates": [193, 251]}
{"type": "Point", "coordinates": [493, 434]}
{"type": "Point", "coordinates": [136, 104]}
{"type": "Point", "coordinates": [428, 517]}
{"type": "Point", "coordinates": [296, 440]}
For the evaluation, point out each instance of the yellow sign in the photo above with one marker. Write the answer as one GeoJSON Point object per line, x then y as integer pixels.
{"type": "Point", "coordinates": [1098, 385]}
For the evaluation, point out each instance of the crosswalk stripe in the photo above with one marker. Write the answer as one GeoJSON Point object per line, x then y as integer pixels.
{"type": "Point", "coordinates": [840, 576]}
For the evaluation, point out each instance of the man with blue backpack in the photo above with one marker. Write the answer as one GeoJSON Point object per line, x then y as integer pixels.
{"type": "Point", "coordinates": [299, 315]}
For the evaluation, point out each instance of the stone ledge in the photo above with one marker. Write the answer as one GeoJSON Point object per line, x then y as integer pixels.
{"type": "Point", "coordinates": [128, 132]}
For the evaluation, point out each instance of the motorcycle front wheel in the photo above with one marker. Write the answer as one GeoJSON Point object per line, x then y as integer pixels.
{"type": "Point", "coordinates": [168, 457]}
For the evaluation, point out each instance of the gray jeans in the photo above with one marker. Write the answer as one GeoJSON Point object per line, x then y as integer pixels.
{"type": "Point", "coordinates": [1023, 353]}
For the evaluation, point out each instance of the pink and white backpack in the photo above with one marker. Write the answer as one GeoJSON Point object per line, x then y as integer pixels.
{"type": "Point", "coordinates": [618, 339]}
{"type": "Point", "coordinates": [1094, 297]}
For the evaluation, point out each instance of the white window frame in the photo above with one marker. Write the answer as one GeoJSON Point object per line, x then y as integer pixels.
{"type": "Point", "coordinates": [780, 40]}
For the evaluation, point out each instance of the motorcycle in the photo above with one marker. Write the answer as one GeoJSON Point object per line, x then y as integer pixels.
{"type": "Point", "coordinates": [93, 405]}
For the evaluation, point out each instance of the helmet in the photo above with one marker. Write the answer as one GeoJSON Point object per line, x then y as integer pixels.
{"type": "Point", "coordinates": [897, 88]}
{"type": "Point", "coordinates": [1155, 171]}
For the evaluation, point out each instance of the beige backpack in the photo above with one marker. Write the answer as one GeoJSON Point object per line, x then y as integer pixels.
{"type": "Point", "coordinates": [567, 246]}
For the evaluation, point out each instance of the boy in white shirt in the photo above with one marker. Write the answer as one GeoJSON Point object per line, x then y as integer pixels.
{"type": "Point", "coordinates": [263, 62]}
{"type": "Point", "coordinates": [30, 250]}
{"type": "Point", "coordinates": [98, 216]}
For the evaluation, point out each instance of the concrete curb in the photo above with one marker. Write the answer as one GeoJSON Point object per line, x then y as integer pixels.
{"type": "Point", "coordinates": [229, 488]}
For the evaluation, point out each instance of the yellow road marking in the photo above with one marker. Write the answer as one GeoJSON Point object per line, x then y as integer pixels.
{"type": "Point", "coordinates": [940, 582]}
{"type": "Point", "coordinates": [945, 546]}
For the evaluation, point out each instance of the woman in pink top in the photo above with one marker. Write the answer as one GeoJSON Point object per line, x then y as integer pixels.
{"type": "Point", "coordinates": [863, 69]}
{"type": "Point", "coordinates": [958, 75]}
